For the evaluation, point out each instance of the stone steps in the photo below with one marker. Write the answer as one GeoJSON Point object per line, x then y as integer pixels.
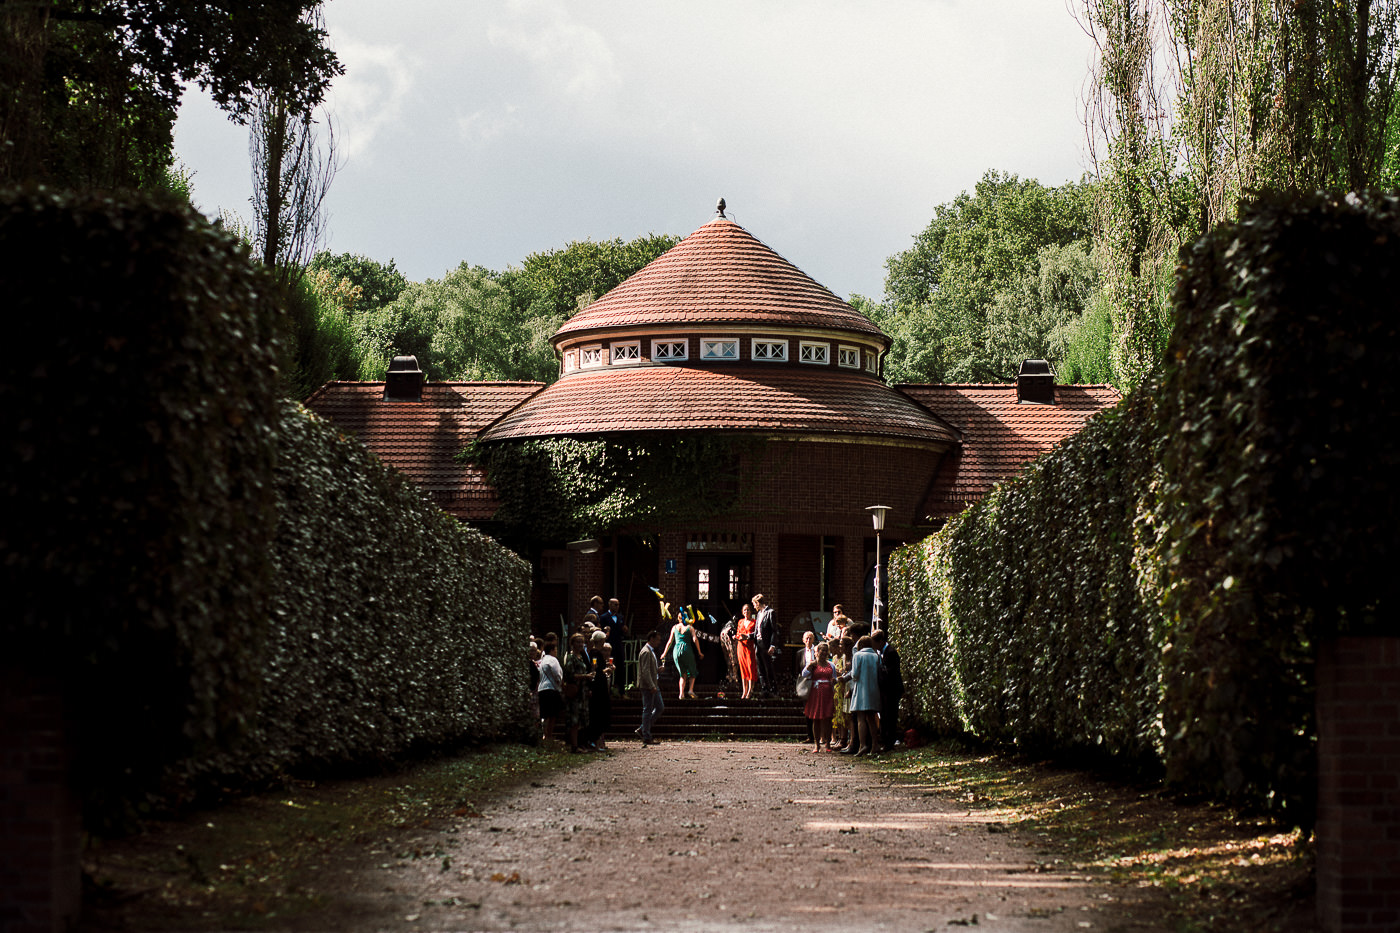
{"type": "Point", "coordinates": [713, 717]}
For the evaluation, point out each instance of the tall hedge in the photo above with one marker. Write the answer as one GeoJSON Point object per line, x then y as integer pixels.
{"type": "Point", "coordinates": [1154, 588]}
{"type": "Point", "coordinates": [1025, 621]}
{"type": "Point", "coordinates": [138, 421]}
{"type": "Point", "coordinates": [398, 627]}
{"type": "Point", "coordinates": [222, 586]}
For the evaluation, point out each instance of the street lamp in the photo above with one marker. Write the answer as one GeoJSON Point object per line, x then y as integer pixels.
{"type": "Point", "coordinates": [877, 515]}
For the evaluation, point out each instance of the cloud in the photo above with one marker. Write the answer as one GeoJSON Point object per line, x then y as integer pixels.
{"type": "Point", "coordinates": [370, 96]}
{"type": "Point", "coordinates": [567, 56]}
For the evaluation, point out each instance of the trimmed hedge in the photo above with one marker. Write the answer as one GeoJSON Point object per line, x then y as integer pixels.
{"type": "Point", "coordinates": [1024, 622]}
{"type": "Point", "coordinates": [138, 413]}
{"type": "Point", "coordinates": [1153, 589]}
{"type": "Point", "coordinates": [225, 587]}
{"type": "Point", "coordinates": [400, 627]}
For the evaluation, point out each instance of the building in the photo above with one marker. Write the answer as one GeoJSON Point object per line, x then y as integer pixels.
{"type": "Point", "coordinates": [723, 338]}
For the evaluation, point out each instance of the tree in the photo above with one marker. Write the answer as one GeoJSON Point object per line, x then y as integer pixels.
{"type": "Point", "coordinates": [89, 88]}
{"type": "Point", "coordinates": [379, 283]}
{"type": "Point", "coordinates": [466, 325]}
{"type": "Point", "coordinates": [968, 295]}
{"type": "Point", "coordinates": [1196, 106]}
{"type": "Point", "coordinates": [571, 278]}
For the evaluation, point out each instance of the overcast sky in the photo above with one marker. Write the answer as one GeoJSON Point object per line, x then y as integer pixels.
{"type": "Point", "coordinates": [484, 131]}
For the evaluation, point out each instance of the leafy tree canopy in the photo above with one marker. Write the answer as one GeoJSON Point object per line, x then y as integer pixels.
{"type": "Point", "coordinates": [999, 275]}
{"type": "Point", "coordinates": [379, 283]}
{"type": "Point", "coordinates": [89, 88]}
{"type": "Point", "coordinates": [571, 278]}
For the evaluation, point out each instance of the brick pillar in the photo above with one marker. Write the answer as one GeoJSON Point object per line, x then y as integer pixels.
{"type": "Point", "coordinates": [587, 582]}
{"type": "Point", "coordinates": [40, 877]}
{"type": "Point", "coordinates": [767, 575]}
{"type": "Point", "coordinates": [1358, 787]}
{"type": "Point", "coordinates": [672, 547]}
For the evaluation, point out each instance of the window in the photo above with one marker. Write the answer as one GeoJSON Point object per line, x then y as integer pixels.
{"type": "Point", "coordinates": [733, 583]}
{"type": "Point", "coordinates": [703, 583]}
{"type": "Point", "coordinates": [591, 356]}
{"type": "Point", "coordinates": [662, 350]}
{"type": "Point", "coordinates": [726, 348]}
{"type": "Point", "coordinates": [627, 352]}
{"type": "Point", "coordinates": [872, 362]}
{"type": "Point", "coordinates": [570, 361]}
{"type": "Point", "coordinates": [771, 350]}
{"type": "Point", "coordinates": [819, 353]}
{"type": "Point", "coordinates": [849, 357]}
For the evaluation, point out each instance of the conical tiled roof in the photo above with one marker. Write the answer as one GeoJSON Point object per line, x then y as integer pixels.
{"type": "Point", "coordinates": [719, 275]}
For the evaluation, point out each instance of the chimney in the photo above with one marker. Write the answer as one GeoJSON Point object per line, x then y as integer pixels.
{"type": "Point", "coordinates": [1035, 383]}
{"type": "Point", "coordinates": [404, 381]}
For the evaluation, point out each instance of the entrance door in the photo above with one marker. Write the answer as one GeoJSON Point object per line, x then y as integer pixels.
{"type": "Point", "coordinates": [718, 585]}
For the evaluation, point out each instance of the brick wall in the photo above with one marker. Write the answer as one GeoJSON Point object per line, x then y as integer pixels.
{"type": "Point", "coordinates": [40, 878]}
{"type": "Point", "coordinates": [1358, 825]}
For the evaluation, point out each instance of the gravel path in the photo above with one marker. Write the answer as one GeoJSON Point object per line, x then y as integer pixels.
{"type": "Point", "coordinates": [706, 836]}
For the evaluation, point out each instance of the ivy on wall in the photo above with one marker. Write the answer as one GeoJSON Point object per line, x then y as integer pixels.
{"type": "Point", "coordinates": [1153, 590]}
{"type": "Point", "coordinates": [558, 489]}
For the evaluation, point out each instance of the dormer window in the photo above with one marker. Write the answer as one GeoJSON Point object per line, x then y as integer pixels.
{"type": "Point", "coordinates": [819, 353]}
{"type": "Point", "coordinates": [669, 351]}
{"type": "Point", "coordinates": [590, 356]}
{"type": "Point", "coordinates": [773, 351]}
{"type": "Point", "coordinates": [849, 357]}
{"type": "Point", "coordinates": [627, 352]}
{"type": "Point", "coordinates": [719, 348]}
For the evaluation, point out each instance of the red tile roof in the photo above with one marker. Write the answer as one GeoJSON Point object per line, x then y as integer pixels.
{"type": "Point", "coordinates": [729, 398]}
{"type": "Point", "coordinates": [1000, 436]}
{"type": "Point", "coordinates": [421, 438]}
{"type": "Point", "coordinates": [720, 275]}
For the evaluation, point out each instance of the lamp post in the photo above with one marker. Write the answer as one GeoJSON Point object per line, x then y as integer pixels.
{"type": "Point", "coordinates": [877, 515]}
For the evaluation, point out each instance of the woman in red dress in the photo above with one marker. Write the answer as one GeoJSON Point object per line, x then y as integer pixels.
{"type": "Point", "coordinates": [746, 640]}
{"type": "Point", "coordinates": [820, 702]}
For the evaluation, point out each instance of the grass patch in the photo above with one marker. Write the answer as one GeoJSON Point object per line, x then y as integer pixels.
{"type": "Point", "coordinates": [261, 861]}
{"type": "Point", "coordinates": [1215, 869]}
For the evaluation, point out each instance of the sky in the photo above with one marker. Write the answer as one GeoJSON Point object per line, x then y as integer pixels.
{"type": "Point", "coordinates": [485, 131]}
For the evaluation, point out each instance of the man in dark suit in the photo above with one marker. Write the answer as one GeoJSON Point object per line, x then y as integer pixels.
{"type": "Point", "coordinates": [891, 688]}
{"type": "Point", "coordinates": [766, 630]}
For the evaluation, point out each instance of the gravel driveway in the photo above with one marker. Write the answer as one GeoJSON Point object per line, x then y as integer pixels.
{"type": "Point", "coordinates": [704, 836]}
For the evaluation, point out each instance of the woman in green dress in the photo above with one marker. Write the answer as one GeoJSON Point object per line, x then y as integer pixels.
{"type": "Point", "coordinates": [683, 648]}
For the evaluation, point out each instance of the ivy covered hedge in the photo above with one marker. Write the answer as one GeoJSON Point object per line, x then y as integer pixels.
{"type": "Point", "coordinates": [1025, 621]}
{"type": "Point", "coordinates": [1153, 590]}
{"type": "Point", "coordinates": [138, 416]}
{"type": "Point", "coordinates": [400, 627]}
{"type": "Point", "coordinates": [225, 587]}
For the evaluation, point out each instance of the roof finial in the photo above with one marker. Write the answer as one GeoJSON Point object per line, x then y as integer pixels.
{"type": "Point", "coordinates": [719, 208]}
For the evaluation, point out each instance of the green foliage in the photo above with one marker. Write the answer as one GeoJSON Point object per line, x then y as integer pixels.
{"type": "Point", "coordinates": [225, 587]}
{"type": "Point", "coordinates": [1155, 587]}
{"type": "Point", "coordinates": [1022, 622]}
{"type": "Point", "coordinates": [89, 90]}
{"type": "Point", "coordinates": [569, 279]}
{"type": "Point", "coordinates": [394, 626]}
{"type": "Point", "coordinates": [464, 326]}
{"type": "Point", "coordinates": [139, 424]}
{"type": "Point", "coordinates": [565, 489]}
{"type": "Point", "coordinates": [1278, 510]}
{"type": "Point", "coordinates": [320, 342]}
{"type": "Point", "coordinates": [998, 276]}
{"type": "Point", "coordinates": [379, 283]}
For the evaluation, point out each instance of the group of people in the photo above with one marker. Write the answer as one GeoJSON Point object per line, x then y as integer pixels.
{"type": "Point", "coordinates": [576, 691]}
{"type": "Point", "coordinates": [852, 705]}
{"type": "Point", "coordinates": [855, 688]}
